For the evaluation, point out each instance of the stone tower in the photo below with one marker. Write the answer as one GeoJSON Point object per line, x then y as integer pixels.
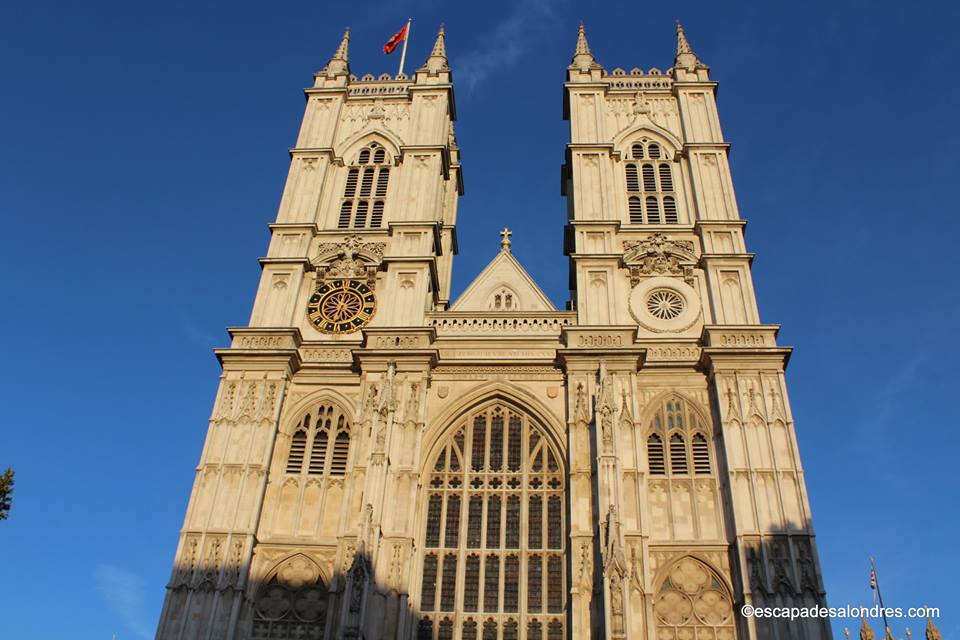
{"type": "Point", "coordinates": [382, 462]}
{"type": "Point", "coordinates": [694, 475]}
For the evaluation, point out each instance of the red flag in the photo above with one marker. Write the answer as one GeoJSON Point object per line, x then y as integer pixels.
{"type": "Point", "coordinates": [397, 38]}
{"type": "Point", "coordinates": [873, 578]}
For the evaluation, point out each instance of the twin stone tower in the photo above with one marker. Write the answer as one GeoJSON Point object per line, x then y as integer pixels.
{"type": "Point", "coordinates": [383, 462]}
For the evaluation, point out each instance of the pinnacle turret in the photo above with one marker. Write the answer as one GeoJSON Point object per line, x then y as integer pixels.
{"type": "Point", "coordinates": [685, 56]}
{"type": "Point", "coordinates": [438, 57]}
{"type": "Point", "coordinates": [582, 58]}
{"type": "Point", "coordinates": [340, 62]}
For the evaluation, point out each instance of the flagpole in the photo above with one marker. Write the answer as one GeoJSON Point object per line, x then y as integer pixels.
{"type": "Point", "coordinates": [876, 579]}
{"type": "Point", "coordinates": [403, 54]}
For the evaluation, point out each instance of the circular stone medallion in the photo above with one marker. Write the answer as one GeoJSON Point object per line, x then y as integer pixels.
{"type": "Point", "coordinates": [664, 305]}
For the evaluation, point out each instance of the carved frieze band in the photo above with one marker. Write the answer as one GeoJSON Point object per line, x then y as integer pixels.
{"type": "Point", "coordinates": [321, 354]}
{"type": "Point", "coordinates": [263, 342]}
{"type": "Point", "coordinates": [740, 337]}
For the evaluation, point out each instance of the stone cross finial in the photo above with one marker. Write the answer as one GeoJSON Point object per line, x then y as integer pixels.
{"type": "Point", "coordinates": [505, 243]}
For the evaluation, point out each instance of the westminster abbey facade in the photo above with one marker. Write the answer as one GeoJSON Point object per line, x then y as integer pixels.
{"type": "Point", "coordinates": [384, 462]}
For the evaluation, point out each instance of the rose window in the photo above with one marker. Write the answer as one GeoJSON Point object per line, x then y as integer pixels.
{"type": "Point", "coordinates": [664, 304]}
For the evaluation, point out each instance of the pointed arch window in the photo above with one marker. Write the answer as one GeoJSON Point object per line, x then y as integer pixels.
{"type": "Point", "coordinates": [503, 299]}
{"type": "Point", "coordinates": [678, 442]}
{"type": "Point", "coordinates": [365, 190]}
{"type": "Point", "coordinates": [655, 455]}
{"type": "Point", "coordinates": [693, 602]}
{"type": "Point", "coordinates": [291, 608]}
{"type": "Point", "coordinates": [651, 198]}
{"type": "Point", "coordinates": [494, 531]}
{"type": "Point", "coordinates": [320, 444]}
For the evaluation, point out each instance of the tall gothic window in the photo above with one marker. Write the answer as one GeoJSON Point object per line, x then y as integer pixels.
{"type": "Point", "coordinates": [651, 198]}
{"type": "Point", "coordinates": [365, 191]}
{"type": "Point", "coordinates": [493, 565]}
{"type": "Point", "coordinates": [320, 443]}
{"type": "Point", "coordinates": [677, 443]}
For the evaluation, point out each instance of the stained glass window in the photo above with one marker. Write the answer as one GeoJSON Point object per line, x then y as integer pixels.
{"type": "Point", "coordinates": [499, 478]}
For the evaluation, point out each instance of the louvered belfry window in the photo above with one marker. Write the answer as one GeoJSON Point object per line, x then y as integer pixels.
{"type": "Point", "coordinates": [651, 198]}
{"type": "Point", "coordinates": [493, 562]}
{"type": "Point", "coordinates": [678, 443]}
{"type": "Point", "coordinates": [365, 190]}
{"type": "Point", "coordinates": [320, 443]}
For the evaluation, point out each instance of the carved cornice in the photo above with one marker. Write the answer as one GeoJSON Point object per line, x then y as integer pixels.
{"type": "Point", "coordinates": [740, 336]}
{"type": "Point", "coordinates": [261, 348]}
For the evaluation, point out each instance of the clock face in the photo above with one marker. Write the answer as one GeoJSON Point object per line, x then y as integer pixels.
{"type": "Point", "coordinates": [341, 306]}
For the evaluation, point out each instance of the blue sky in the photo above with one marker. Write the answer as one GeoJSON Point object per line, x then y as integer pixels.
{"type": "Point", "coordinates": [143, 151]}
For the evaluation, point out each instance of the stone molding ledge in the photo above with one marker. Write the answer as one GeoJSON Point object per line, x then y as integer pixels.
{"type": "Point", "coordinates": [740, 336]}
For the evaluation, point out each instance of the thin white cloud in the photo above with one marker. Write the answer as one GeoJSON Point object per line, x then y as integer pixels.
{"type": "Point", "coordinates": [124, 592]}
{"type": "Point", "coordinates": [193, 331]}
{"type": "Point", "coordinates": [508, 41]}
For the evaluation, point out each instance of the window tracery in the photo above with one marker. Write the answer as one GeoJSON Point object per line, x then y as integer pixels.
{"type": "Point", "coordinates": [320, 444]}
{"type": "Point", "coordinates": [494, 550]}
{"type": "Point", "coordinates": [678, 442]}
{"type": "Point", "coordinates": [651, 198]}
{"type": "Point", "coordinates": [693, 602]}
{"type": "Point", "coordinates": [292, 605]}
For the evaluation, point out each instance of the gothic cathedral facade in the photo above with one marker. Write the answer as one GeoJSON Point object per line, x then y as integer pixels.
{"type": "Point", "coordinates": [383, 462]}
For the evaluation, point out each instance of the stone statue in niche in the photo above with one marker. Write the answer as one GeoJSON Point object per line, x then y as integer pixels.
{"type": "Point", "coordinates": [359, 575]}
{"type": "Point", "coordinates": [412, 411]}
{"type": "Point", "coordinates": [387, 396]}
{"type": "Point", "coordinates": [585, 580]}
{"type": "Point", "coordinates": [605, 407]}
{"type": "Point", "coordinates": [636, 569]}
{"type": "Point", "coordinates": [616, 603]}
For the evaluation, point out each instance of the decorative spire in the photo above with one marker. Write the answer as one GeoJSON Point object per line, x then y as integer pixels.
{"type": "Point", "coordinates": [932, 632]}
{"type": "Point", "coordinates": [438, 57]}
{"type": "Point", "coordinates": [866, 632]}
{"type": "Point", "coordinates": [505, 243]}
{"type": "Point", "coordinates": [340, 62]}
{"type": "Point", "coordinates": [582, 58]}
{"type": "Point", "coordinates": [685, 55]}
